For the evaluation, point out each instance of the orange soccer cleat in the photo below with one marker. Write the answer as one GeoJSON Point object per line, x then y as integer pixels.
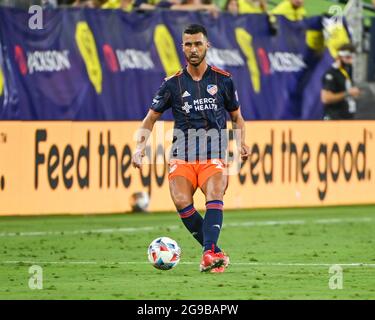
{"type": "Point", "coordinates": [222, 268]}
{"type": "Point", "coordinates": [225, 257]}
{"type": "Point", "coordinates": [218, 270]}
{"type": "Point", "coordinates": [211, 260]}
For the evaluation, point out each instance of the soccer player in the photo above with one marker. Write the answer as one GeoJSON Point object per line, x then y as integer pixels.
{"type": "Point", "coordinates": [200, 97]}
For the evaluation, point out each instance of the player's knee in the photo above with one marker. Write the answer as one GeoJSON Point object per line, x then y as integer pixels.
{"type": "Point", "coordinates": [181, 201]}
{"type": "Point", "coordinates": [215, 195]}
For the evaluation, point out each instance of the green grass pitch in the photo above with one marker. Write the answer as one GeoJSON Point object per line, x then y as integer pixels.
{"type": "Point", "coordinates": [275, 254]}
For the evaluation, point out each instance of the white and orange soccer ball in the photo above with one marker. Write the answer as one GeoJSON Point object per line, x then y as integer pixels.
{"type": "Point", "coordinates": [164, 253]}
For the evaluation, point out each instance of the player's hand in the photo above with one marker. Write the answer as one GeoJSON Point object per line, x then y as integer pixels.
{"type": "Point", "coordinates": [245, 151]}
{"type": "Point", "coordinates": [354, 92]}
{"type": "Point", "coordinates": [137, 158]}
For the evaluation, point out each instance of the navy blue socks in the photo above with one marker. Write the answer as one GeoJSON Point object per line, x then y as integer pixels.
{"type": "Point", "coordinates": [193, 221]}
{"type": "Point", "coordinates": [212, 223]}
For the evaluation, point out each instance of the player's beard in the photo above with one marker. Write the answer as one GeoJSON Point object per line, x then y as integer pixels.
{"type": "Point", "coordinates": [199, 61]}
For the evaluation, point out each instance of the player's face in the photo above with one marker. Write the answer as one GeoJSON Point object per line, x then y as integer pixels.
{"type": "Point", "coordinates": [194, 47]}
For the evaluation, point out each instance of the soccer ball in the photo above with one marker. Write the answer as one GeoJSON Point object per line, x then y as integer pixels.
{"type": "Point", "coordinates": [164, 253]}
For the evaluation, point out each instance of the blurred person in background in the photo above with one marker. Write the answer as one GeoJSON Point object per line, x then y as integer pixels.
{"type": "Point", "coordinates": [338, 93]}
{"type": "Point", "coordinates": [252, 6]}
{"type": "Point", "coordinates": [87, 4]}
{"type": "Point", "coordinates": [197, 5]}
{"type": "Point", "coordinates": [291, 9]}
{"type": "Point", "coordinates": [231, 6]}
{"type": "Point", "coordinates": [49, 4]}
{"type": "Point", "coordinates": [178, 5]}
{"type": "Point", "coordinates": [146, 5]}
{"type": "Point", "coordinates": [126, 5]}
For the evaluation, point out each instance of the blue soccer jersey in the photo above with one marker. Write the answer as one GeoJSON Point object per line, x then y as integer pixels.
{"type": "Point", "coordinates": [199, 109]}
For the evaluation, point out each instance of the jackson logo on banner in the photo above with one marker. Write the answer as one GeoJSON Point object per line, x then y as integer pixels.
{"type": "Point", "coordinates": [19, 56]}
{"type": "Point", "coordinates": [110, 58]}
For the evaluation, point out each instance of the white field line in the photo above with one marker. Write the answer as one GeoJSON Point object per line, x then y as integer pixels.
{"type": "Point", "coordinates": [255, 264]}
{"type": "Point", "coordinates": [174, 227]}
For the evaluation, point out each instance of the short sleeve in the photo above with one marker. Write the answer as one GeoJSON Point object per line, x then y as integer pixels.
{"type": "Point", "coordinates": [162, 99]}
{"type": "Point", "coordinates": [231, 102]}
{"type": "Point", "coordinates": [329, 82]}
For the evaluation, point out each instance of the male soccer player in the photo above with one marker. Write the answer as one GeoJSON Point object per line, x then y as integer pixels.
{"type": "Point", "coordinates": [199, 95]}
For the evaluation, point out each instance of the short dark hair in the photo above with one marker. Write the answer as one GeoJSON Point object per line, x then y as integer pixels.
{"type": "Point", "coordinates": [195, 28]}
{"type": "Point", "coordinates": [347, 47]}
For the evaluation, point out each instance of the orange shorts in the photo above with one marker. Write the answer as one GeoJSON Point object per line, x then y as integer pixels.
{"type": "Point", "coordinates": [197, 173]}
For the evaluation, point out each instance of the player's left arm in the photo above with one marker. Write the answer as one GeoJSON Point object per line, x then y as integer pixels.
{"type": "Point", "coordinates": [238, 124]}
{"type": "Point", "coordinates": [232, 106]}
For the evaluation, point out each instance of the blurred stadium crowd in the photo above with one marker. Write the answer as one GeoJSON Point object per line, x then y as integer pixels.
{"type": "Point", "coordinates": [292, 9]}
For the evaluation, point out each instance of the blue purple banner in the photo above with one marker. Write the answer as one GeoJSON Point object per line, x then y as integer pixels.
{"type": "Point", "coordinates": [88, 64]}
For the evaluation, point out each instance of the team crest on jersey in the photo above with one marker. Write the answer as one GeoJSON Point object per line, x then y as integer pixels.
{"type": "Point", "coordinates": [212, 89]}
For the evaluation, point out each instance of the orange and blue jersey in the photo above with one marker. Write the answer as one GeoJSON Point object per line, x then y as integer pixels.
{"type": "Point", "coordinates": [200, 110]}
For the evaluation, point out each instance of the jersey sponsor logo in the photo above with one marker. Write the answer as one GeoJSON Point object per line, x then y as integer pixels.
{"type": "Point", "coordinates": [186, 107]}
{"type": "Point", "coordinates": [205, 104]}
{"type": "Point", "coordinates": [329, 77]}
{"type": "Point", "coordinates": [186, 94]}
{"type": "Point", "coordinates": [200, 105]}
{"type": "Point", "coordinates": [212, 89]}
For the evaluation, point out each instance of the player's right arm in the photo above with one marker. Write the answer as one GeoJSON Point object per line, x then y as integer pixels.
{"type": "Point", "coordinates": [160, 103]}
{"type": "Point", "coordinates": [143, 134]}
